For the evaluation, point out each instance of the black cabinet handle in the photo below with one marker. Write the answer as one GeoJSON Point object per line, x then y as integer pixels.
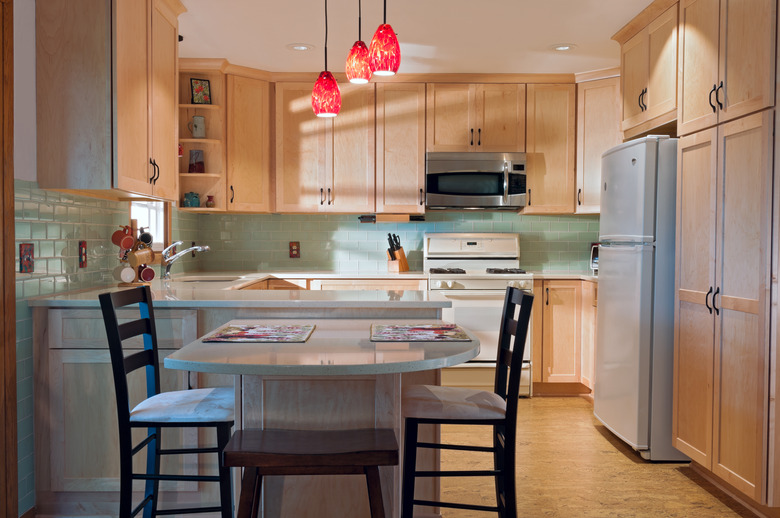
{"type": "Point", "coordinates": [639, 100]}
{"type": "Point", "coordinates": [547, 302]}
{"type": "Point", "coordinates": [714, 87]}
{"type": "Point", "coordinates": [717, 95]}
{"type": "Point", "coordinates": [322, 196]}
{"type": "Point", "coordinates": [644, 104]}
{"type": "Point", "coordinates": [157, 172]}
{"type": "Point", "coordinates": [329, 200]}
{"type": "Point", "coordinates": [528, 198]}
{"type": "Point", "coordinates": [707, 300]}
{"type": "Point", "coordinates": [232, 194]}
{"type": "Point", "coordinates": [154, 171]}
{"type": "Point", "coordinates": [422, 197]}
{"type": "Point", "coordinates": [717, 311]}
{"type": "Point", "coordinates": [472, 137]}
{"type": "Point", "coordinates": [579, 196]}
{"type": "Point", "coordinates": [479, 137]}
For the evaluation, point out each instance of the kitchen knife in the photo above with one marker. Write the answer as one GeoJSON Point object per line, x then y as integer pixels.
{"type": "Point", "coordinates": [391, 242]}
{"type": "Point", "coordinates": [396, 241]}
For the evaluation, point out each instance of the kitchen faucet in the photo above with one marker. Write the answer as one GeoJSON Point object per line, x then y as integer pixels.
{"type": "Point", "coordinates": [167, 261]}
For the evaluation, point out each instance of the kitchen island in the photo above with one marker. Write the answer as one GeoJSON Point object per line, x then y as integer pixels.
{"type": "Point", "coordinates": [76, 459]}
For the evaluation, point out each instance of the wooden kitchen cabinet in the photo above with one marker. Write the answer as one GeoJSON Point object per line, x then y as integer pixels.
{"type": "Point", "coordinates": [648, 61]}
{"type": "Point", "coordinates": [476, 117]}
{"type": "Point", "coordinates": [278, 284]}
{"type": "Point", "coordinates": [588, 337]}
{"type": "Point", "coordinates": [598, 129]}
{"type": "Point", "coordinates": [94, 138]}
{"type": "Point", "coordinates": [561, 302]}
{"type": "Point", "coordinates": [550, 151]}
{"type": "Point", "coordinates": [77, 459]}
{"type": "Point", "coordinates": [721, 366]}
{"type": "Point", "coordinates": [248, 145]}
{"type": "Point", "coordinates": [325, 164]}
{"type": "Point", "coordinates": [212, 181]}
{"type": "Point", "coordinates": [727, 61]}
{"type": "Point", "coordinates": [369, 284]}
{"type": "Point", "coordinates": [400, 148]}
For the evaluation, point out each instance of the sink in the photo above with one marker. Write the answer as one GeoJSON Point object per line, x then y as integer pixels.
{"type": "Point", "coordinates": [206, 278]}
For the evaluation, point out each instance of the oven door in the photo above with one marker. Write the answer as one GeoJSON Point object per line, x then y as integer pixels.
{"type": "Point", "coordinates": [480, 312]}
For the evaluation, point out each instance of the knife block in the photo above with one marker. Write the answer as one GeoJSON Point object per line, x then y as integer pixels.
{"type": "Point", "coordinates": [400, 264]}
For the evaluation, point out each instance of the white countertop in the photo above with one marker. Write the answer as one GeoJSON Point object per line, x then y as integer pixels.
{"type": "Point", "coordinates": [337, 347]}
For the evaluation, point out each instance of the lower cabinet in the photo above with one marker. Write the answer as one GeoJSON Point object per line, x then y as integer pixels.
{"type": "Point", "coordinates": [76, 450]}
{"type": "Point", "coordinates": [277, 284]}
{"type": "Point", "coordinates": [369, 284]}
{"type": "Point", "coordinates": [588, 336]}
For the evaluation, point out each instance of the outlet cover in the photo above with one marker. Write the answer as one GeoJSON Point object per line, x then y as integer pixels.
{"type": "Point", "coordinates": [26, 257]}
{"type": "Point", "coordinates": [82, 254]}
{"type": "Point", "coordinates": [295, 249]}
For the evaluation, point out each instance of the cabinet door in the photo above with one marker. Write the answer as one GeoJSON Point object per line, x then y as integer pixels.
{"type": "Point", "coordinates": [695, 277]}
{"type": "Point", "coordinates": [598, 129]}
{"type": "Point", "coordinates": [350, 183]}
{"type": "Point", "coordinates": [164, 42]}
{"type": "Point", "coordinates": [301, 151]}
{"type": "Point", "coordinates": [588, 344]}
{"type": "Point", "coordinates": [661, 97]}
{"type": "Point", "coordinates": [400, 147]}
{"type": "Point", "coordinates": [500, 112]}
{"type": "Point", "coordinates": [133, 104]}
{"type": "Point", "coordinates": [561, 331]}
{"type": "Point", "coordinates": [451, 117]}
{"type": "Point", "coordinates": [698, 65]}
{"type": "Point", "coordinates": [249, 180]}
{"type": "Point", "coordinates": [550, 150]}
{"type": "Point", "coordinates": [634, 59]}
{"type": "Point", "coordinates": [740, 419]}
{"type": "Point", "coordinates": [747, 56]}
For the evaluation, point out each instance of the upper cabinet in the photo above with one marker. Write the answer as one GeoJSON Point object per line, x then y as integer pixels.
{"type": "Point", "coordinates": [551, 149]}
{"type": "Point", "coordinates": [598, 129]}
{"type": "Point", "coordinates": [727, 60]}
{"type": "Point", "coordinates": [106, 96]}
{"type": "Point", "coordinates": [248, 145]}
{"type": "Point", "coordinates": [476, 117]}
{"type": "Point", "coordinates": [400, 148]}
{"type": "Point", "coordinates": [325, 165]}
{"type": "Point", "coordinates": [649, 69]}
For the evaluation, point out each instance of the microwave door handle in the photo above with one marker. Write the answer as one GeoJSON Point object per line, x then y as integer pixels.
{"type": "Point", "coordinates": [506, 183]}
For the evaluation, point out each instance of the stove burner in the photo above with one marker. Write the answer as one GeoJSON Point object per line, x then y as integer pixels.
{"type": "Point", "coordinates": [447, 270]}
{"type": "Point", "coordinates": [505, 270]}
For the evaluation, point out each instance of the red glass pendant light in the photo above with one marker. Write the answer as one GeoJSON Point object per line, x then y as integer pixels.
{"type": "Point", "coordinates": [384, 53]}
{"type": "Point", "coordinates": [326, 96]}
{"type": "Point", "coordinates": [357, 69]}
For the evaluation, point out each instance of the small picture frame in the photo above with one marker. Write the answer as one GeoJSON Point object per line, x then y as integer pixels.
{"type": "Point", "coordinates": [201, 91]}
{"type": "Point", "coordinates": [197, 162]}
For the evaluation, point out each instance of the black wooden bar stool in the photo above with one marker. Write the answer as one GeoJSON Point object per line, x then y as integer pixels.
{"type": "Point", "coordinates": [309, 452]}
{"type": "Point", "coordinates": [197, 408]}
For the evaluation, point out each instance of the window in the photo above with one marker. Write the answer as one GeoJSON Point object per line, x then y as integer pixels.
{"type": "Point", "coordinates": [150, 215]}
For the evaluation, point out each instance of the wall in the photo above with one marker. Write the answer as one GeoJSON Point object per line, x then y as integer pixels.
{"type": "Point", "coordinates": [54, 223]}
{"type": "Point", "coordinates": [342, 244]}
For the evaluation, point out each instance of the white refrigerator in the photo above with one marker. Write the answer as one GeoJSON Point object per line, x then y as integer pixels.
{"type": "Point", "coordinates": [635, 333]}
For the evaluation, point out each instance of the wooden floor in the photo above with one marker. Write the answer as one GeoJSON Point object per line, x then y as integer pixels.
{"type": "Point", "coordinates": [570, 465]}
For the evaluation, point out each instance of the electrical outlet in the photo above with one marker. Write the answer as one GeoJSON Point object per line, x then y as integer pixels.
{"type": "Point", "coordinates": [26, 257]}
{"type": "Point", "coordinates": [82, 254]}
{"type": "Point", "coordinates": [295, 249]}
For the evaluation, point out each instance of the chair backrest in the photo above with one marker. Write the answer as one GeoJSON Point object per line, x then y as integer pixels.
{"type": "Point", "coordinates": [511, 346]}
{"type": "Point", "coordinates": [117, 333]}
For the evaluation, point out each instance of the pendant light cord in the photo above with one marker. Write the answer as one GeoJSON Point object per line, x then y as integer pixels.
{"type": "Point", "coordinates": [360, 20]}
{"type": "Point", "coordinates": [326, 35]}
{"type": "Point", "coordinates": [385, 14]}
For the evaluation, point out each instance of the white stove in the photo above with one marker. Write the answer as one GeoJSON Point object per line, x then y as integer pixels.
{"type": "Point", "coordinates": [472, 270]}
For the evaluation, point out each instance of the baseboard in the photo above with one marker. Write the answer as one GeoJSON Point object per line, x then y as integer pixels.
{"type": "Point", "coordinates": [759, 510]}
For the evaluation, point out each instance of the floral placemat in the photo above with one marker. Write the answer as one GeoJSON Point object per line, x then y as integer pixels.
{"type": "Point", "coordinates": [262, 333]}
{"type": "Point", "coordinates": [418, 333]}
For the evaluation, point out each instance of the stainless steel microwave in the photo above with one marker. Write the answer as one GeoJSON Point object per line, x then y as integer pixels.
{"type": "Point", "coordinates": [488, 181]}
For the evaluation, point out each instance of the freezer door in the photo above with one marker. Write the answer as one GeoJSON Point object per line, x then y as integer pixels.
{"type": "Point", "coordinates": [628, 184]}
{"type": "Point", "coordinates": [624, 342]}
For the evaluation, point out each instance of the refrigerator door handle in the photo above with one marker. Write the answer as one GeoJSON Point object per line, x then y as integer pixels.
{"type": "Point", "coordinates": [707, 300]}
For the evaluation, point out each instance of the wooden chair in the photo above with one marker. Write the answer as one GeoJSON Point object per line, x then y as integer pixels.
{"type": "Point", "coordinates": [309, 452]}
{"type": "Point", "coordinates": [428, 404]}
{"type": "Point", "coordinates": [210, 407]}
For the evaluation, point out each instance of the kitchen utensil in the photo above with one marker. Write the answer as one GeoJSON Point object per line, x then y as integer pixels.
{"type": "Point", "coordinates": [124, 273]}
{"type": "Point", "coordinates": [145, 273]}
{"type": "Point", "coordinates": [145, 237]}
{"type": "Point", "coordinates": [117, 236]}
{"type": "Point", "coordinates": [140, 256]}
{"type": "Point", "coordinates": [127, 241]}
{"type": "Point", "coordinates": [197, 127]}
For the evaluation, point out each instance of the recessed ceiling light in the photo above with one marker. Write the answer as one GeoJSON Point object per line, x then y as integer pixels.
{"type": "Point", "coordinates": [563, 47]}
{"type": "Point", "coordinates": [301, 47]}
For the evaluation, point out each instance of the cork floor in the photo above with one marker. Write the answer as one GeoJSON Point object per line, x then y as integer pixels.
{"type": "Point", "coordinates": [569, 465]}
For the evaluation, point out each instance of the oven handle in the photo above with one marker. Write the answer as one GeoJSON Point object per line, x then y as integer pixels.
{"type": "Point", "coordinates": [506, 183]}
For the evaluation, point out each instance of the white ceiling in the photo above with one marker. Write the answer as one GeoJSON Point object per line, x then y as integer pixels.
{"type": "Point", "coordinates": [436, 36]}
